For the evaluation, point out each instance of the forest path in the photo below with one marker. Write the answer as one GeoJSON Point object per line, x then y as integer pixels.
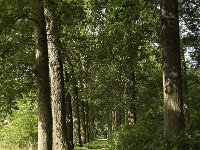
{"type": "Point", "coordinates": [97, 144]}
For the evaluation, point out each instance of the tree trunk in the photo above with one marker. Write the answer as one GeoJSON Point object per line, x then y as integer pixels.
{"type": "Point", "coordinates": [185, 92]}
{"type": "Point", "coordinates": [44, 100]}
{"type": "Point", "coordinates": [78, 115]}
{"type": "Point", "coordinates": [172, 82]}
{"type": "Point", "coordinates": [132, 116]}
{"type": "Point", "coordinates": [84, 88]}
{"type": "Point", "coordinates": [109, 122]}
{"type": "Point", "coordinates": [92, 128]}
{"type": "Point", "coordinates": [87, 121]}
{"type": "Point", "coordinates": [118, 119]}
{"type": "Point", "coordinates": [70, 137]}
{"type": "Point", "coordinates": [118, 113]}
{"type": "Point", "coordinates": [75, 95]}
{"type": "Point", "coordinates": [57, 79]}
{"type": "Point", "coordinates": [83, 123]}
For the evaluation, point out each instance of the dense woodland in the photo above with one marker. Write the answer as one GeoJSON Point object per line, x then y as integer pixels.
{"type": "Point", "coordinates": [73, 71]}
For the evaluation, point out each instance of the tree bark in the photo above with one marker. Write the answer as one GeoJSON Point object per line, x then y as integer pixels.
{"type": "Point", "coordinates": [172, 81]}
{"type": "Point", "coordinates": [78, 115]}
{"type": "Point", "coordinates": [75, 96]}
{"type": "Point", "coordinates": [70, 137]}
{"type": "Point", "coordinates": [186, 106]}
{"type": "Point", "coordinates": [87, 121]}
{"type": "Point", "coordinates": [92, 127]}
{"type": "Point", "coordinates": [118, 118]}
{"type": "Point", "coordinates": [44, 100]}
{"type": "Point", "coordinates": [109, 122]}
{"type": "Point", "coordinates": [83, 123]}
{"type": "Point", "coordinates": [57, 79]}
{"type": "Point", "coordinates": [131, 112]}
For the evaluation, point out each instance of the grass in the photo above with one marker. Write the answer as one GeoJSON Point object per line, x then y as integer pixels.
{"type": "Point", "coordinates": [98, 144]}
{"type": "Point", "coordinates": [12, 147]}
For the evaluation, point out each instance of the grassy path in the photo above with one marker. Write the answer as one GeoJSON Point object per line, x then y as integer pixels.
{"type": "Point", "coordinates": [98, 144]}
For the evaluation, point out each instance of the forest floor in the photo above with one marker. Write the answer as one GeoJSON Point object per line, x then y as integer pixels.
{"type": "Point", "coordinates": [97, 144]}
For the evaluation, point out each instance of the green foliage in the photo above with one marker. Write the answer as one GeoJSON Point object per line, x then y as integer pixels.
{"type": "Point", "coordinates": [138, 136]}
{"type": "Point", "coordinates": [21, 131]}
{"type": "Point", "coordinates": [184, 141]}
{"type": "Point", "coordinates": [16, 54]}
{"type": "Point", "coordinates": [150, 136]}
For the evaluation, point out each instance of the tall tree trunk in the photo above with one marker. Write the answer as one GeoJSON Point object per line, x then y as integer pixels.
{"type": "Point", "coordinates": [118, 118]}
{"type": "Point", "coordinates": [78, 115]}
{"type": "Point", "coordinates": [109, 122]}
{"type": "Point", "coordinates": [75, 95]}
{"type": "Point", "coordinates": [132, 116]}
{"type": "Point", "coordinates": [84, 88]}
{"type": "Point", "coordinates": [133, 97]}
{"type": "Point", "coordinates": [44, 100]}
{"type": "Point", "coordinates": [57, 79]}
{"type": "Point", "coordinates": [118, 112]}
{"type": "Point", "coordinates": [70, 137]}
{"type": "Point", "coordinates": [87, 120]}
{"type": "Point", "coordinates": [83, 121]}
{"type": "Point", "coordinates": [92, 128]}
{"type": "Point", "coordinates": [172, 82]}
{"type": "Point", "coordinates": [186, 106]}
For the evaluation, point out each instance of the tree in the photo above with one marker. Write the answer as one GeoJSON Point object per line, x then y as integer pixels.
{"type": "Point", "coordinates": [44, 100]}
{"type": "Point", "coordinates": [77, 111]}
{"type": "Point", "coordinates": [57, 78]}
{"type": "Point", "coordinates": [70, 136]}
{"type": "Point", "coordinates": [172, 82]}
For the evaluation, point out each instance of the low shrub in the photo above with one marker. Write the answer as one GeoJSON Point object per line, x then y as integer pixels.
{"type": "Point", "coordinates": [21, 131]}
{"type": "Point", "coordinates": [150, 136]}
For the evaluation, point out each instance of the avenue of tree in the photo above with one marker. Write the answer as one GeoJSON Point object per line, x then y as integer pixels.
{"type": "Point", "coordinates": [76, 70]}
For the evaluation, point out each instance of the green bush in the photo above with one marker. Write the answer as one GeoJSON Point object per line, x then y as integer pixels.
{"type": "Point", "coordinates": [21, 131]}
{"type": "Point", "coordinates": [136, 137]}
{"type": "Point", "coordinates": [150, 136]}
